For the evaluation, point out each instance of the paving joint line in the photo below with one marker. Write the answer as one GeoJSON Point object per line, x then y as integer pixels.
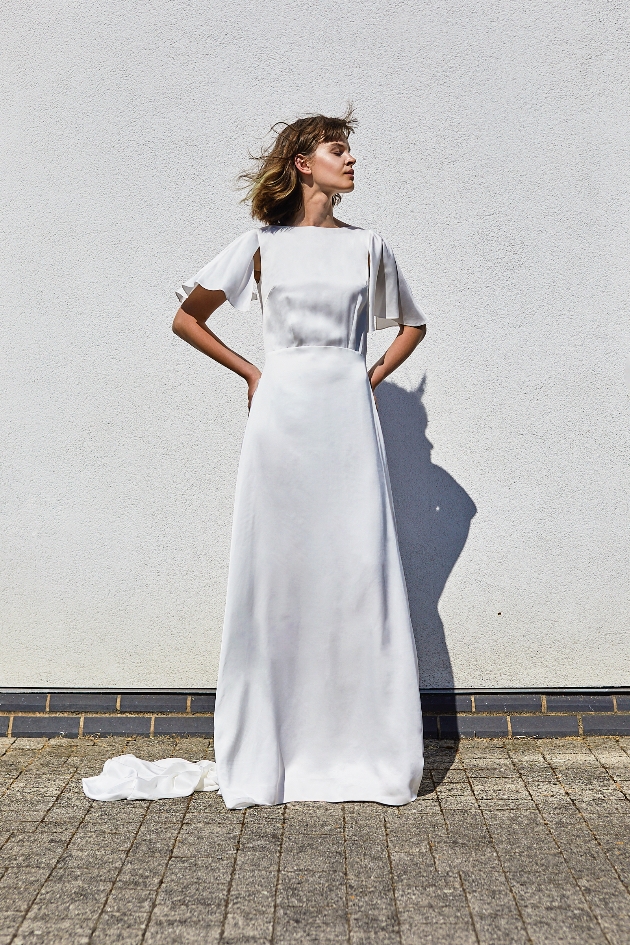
{"type": "Point", "coordinates": [392, 879]}
{"type": "Point", "coordinates": [4, 749]}
{"type": "Point", "coordinates": [588, 827]}
{"type": "Point", "coordinates": [118, 871]}
{"type": "Point", "coordinates": [49, 874]}
{"type": "Point", "coordinates": [470, 912]}
{"type": "Point", "coordinates": [345, 872]}
{"type": "Point", "coordinates": [69, 781]}
{"type": "Point", "coordinates": [35, 752]}
{"type": "Point", "coordinates": [228, 891]}
{"type": "Point", "coordinates": [444, 820]}
{"type": "Point", "coordinates": [499, 858]}
{"type": "Point", "coordinates": [624, 883]}
{"type": "Point", "coordinates": [437, 797]}
{"type": "Point", "coordinates": [614, 780]}
{"type": "Point", "coordinates": [555, 841]}
{"type": "Point", "coordinates": [164, 871]}
{"type": "Point", "coordinates": [278, 873]}
{"type": "Point", "coordinates": [623, 748]}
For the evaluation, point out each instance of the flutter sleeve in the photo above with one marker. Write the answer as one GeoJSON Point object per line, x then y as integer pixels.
{"type": "Point", "coordinates": [232, 271]}
{"type": "Point", "coordinates": [390, 298]}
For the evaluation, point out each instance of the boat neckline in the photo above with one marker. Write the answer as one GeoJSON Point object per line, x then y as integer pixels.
{"type": "Point", "coordinates": [311, 226]}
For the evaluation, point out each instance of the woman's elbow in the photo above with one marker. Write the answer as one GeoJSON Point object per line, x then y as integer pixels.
{"type": "Point", "coordinates": [179, 322]}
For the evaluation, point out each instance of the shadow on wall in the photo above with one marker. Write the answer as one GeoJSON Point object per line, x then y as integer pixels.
{"type": "Point", "coordinates": [433, 515]}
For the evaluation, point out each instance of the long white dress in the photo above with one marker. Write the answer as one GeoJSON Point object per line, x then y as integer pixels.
{"type": "Point", "coordinates": [317, 694]}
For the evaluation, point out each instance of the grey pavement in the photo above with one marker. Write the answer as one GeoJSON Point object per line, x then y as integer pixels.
{"type": "Point", "coordinates": [512, 841]}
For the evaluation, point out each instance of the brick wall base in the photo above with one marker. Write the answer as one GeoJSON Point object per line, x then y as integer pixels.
{"type": "Point", "coordinates": [447, 714]}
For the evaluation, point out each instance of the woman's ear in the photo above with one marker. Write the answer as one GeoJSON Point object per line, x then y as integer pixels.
{"type": "Point", "coordinates": [301, 162]}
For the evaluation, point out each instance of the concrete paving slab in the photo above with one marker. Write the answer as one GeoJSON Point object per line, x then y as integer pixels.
{"type": "Point", "coordinates": [509, 843]}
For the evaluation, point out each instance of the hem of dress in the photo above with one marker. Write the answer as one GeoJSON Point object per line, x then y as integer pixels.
{"type": "Point", "coordinates": [350, 799]}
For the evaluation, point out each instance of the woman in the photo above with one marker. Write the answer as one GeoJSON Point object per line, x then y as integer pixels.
{"type": "Point", "coordinates": [317, 695]}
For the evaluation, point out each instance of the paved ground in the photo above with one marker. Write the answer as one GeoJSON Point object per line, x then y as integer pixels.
{"type": "Point", "coordinates": [513, 841]}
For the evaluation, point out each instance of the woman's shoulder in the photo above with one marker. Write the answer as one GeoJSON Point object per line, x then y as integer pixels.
{"type": "Point", "coordinates": [245, 238]}
{"type": "Point", "coordinates": [246, 242]}
{"type": "Point", "coordinates": [350, 226]}
{"type": "Point", "coordinates": [251, 234]}
{"type": "Point", "coordinates": [367, 232]}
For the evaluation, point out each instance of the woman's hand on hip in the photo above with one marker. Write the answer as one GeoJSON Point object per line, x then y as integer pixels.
{"type": "Point", "coordinates": [252, 384]}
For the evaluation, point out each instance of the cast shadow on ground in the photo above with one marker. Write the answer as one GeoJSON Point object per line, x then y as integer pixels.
{"type": "Point", "coordinates": [439, 758]}
{"type": "Point", "coordinates": [433, 516]}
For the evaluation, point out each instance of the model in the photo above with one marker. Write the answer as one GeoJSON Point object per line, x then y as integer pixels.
{"type": "Point", "coordinates": [317, 693]}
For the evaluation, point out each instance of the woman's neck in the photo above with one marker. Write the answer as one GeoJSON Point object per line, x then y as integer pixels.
{"type": "Point", "coordinates": [316, 210]}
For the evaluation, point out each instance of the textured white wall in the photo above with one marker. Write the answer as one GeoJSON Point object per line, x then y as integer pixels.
{"type": "Point", "coordinates": [492, 153]}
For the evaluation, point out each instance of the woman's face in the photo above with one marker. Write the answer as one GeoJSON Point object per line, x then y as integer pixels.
{"type": "Point", "coordinates": [330, 167]}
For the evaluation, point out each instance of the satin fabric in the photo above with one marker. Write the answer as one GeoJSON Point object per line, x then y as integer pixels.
{"type": "Point", "coordinates": [365, 255]}
{"type": "Point", "coordinates": [317, 693]}
{"type": "Point", "coordinates": [129, 778]}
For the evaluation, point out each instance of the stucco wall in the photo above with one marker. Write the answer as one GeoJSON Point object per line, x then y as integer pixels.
{"type": "Point", "coordinates": [492, 153]}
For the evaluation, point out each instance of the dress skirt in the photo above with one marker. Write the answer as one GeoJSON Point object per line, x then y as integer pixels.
{"type": "Point", "coordinates": [317, 694]}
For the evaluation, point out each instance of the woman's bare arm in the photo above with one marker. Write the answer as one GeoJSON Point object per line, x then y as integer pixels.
{"type": "Point", "coordinates": [190, 324]}
{"type": "Point", "coordinates": [407, 340]}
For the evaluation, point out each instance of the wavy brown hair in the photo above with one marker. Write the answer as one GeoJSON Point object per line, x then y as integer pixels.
{"type": "Point", "coordinates": [274, 188]}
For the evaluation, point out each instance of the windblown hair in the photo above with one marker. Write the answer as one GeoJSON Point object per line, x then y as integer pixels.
{"type": "Point", "coordinates": [274, 188]}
